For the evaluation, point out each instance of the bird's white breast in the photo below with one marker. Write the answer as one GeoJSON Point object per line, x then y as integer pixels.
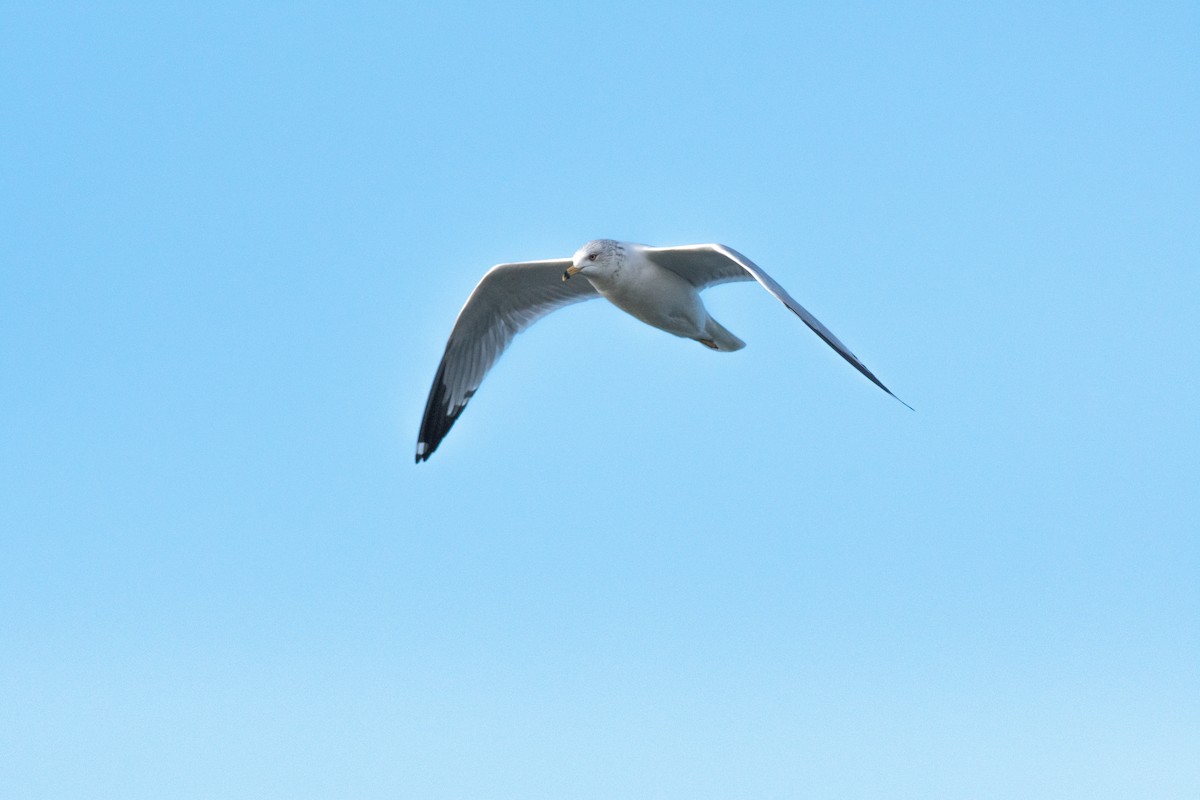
{"type": "Point", "coordinates": [654, 295]}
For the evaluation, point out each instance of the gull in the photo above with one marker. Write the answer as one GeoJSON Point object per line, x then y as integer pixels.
{"type": "Point", "coordinates": [659, 285]}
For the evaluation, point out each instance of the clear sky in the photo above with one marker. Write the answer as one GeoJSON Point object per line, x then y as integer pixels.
{"type": "Point", "coordinates": [233, 241]}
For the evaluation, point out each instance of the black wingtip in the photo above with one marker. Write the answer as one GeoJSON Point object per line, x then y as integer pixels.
{"type": "Point", "coordinates": [424, 450]}
{"type": "Point", "coordinates": [875, 380]}
{"type": "Point", "coordinates": [439, 416]}
{"type": "Point", "coordinates": [879, 383]}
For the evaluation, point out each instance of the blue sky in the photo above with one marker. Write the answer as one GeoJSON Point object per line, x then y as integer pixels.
{"type": "Point", "coordinates": [233, 242]}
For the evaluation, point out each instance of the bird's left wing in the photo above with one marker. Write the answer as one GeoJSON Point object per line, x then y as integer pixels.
{"type": "Point", "coordinates": [705, 265]}
{"type": "Point", "coordinates": [508, 299]}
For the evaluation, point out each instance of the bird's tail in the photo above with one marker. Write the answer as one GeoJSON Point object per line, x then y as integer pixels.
{"type": "Point", "coordinates": [720, 339]}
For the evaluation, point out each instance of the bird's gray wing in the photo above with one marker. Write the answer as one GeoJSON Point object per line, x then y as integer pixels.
{"type": "Point", "coordinates": [705, 265]}
{"type": "Point", "coordinates": [508, 299]}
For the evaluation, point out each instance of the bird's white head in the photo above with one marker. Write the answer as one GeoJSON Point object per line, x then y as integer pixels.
{"type": "Point", "coordinates": [599, 258]}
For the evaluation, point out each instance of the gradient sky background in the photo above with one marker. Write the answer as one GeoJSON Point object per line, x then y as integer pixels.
{"type": "Point", "coordinates": [234, 240]}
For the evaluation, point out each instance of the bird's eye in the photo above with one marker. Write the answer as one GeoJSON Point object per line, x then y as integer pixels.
{"type": "Point", "coordinates": [592, 256]}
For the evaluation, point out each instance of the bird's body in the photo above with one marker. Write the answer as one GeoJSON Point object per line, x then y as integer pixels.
{"type": "Point", "coordinates": [659, 297]}
{"type": "Point", "coordinates": [658, 285]}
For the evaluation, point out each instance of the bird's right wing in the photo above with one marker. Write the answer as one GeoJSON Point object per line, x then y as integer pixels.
{"type": "Point", "coordinates": [704, 265]}
{"type": "Point", "coordinates": [508, 299]}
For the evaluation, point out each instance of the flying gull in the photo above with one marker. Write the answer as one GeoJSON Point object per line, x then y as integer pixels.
{"type": "Point", "coordinates": [658, 285]}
